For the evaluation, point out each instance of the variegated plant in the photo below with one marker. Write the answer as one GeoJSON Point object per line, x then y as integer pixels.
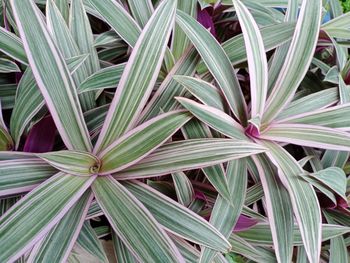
{"type": "Point", "coordinates": [158, 131]}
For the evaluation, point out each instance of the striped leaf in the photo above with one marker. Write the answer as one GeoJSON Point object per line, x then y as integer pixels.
{"type": "Point", "coordinates": [58, 243]}
{"type": "Point", "coordinates": [332, 117]}
{"type": "Point", "coordinates": [89, 241]}
{"type": "Point", "coordinates": [308, 135]}
{"type": "Point", "coordinates": [184, 189]}
{"type": "Point", "coordinates": [71, 162]}
{"type": "Point", "coordinates": [141, 141]}
{"type": "Point", "coordinates": [278, 207]}
{"type": "Point", "coordinates": [216, 60]}
{"type": "Point", "coordinates": [118, 18]}
{"type": "Point", "coordinates": [214, 118]}
{"type": "Point", "coordinates": [133, 223]}
{"type": "Point", "coordinates": [273, 36]}
{"type": "Point", "coordinates": [141, 10]}
{"type": "Point", "coordinates": [103, 79]}
{"type": "Point", "coordinates": [23, 175]}
{"type": "Point", "coordinates": [307, 214]}
{"type": "Point", "coordinates": [203, 91]}
{"type": "Point", "coordinates": [164, 97]}
{"type": "Point", "coordinates": [35, 215]}
{"type": "Point", "coordinates": [29, 100]}
{"type": "Point", "coordinates": [320, 100]}
{"type": "Point", "coordinates": [139, 76]}
{"type": "Point", "coordinates": [260, 235]}
{"type": "Point", "coordinates": [12, 46]}
{"type": "Point", "coordinates": [180, 42]}
{"type": "Point", "coordinates": [7, 66]}
{"type": "Point", "coordinates": [178, 219]}
{"type": "Point", "coordinates": [226, 212]}
{"type": "Point", "coordinates": [52, 76]}
{"type": "Point", "coordinates": [189, 154]}
{"type": "Point", "coordinates": [256, 56]}
{"type": "Point", "coordinates": [121, 252]}
{"type": "Point", "coordinates": [296, 63]}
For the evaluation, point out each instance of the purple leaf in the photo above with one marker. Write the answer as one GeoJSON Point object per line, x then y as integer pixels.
{"type": "Point", "coordinates": [41, 137]}
{"type": "Point", "coordinates": [206, 20]}
{"type": "Point", "coordinates": [244, 223]}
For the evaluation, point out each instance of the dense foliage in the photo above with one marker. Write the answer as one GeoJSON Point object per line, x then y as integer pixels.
{"type": "Point", "coordinates": [174, 131]}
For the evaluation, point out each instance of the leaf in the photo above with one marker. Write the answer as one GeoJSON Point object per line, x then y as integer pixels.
{"type": "Point", "coordinates": [214, 118]}
{"type": "Point", "coordinates": [332, 117]}
{"type": "Point", "coordinates": [139, 76]}
{"type": "Point", "coordinates": [141, 11]}
{"type": "Point", "coordinates": [278, 207]}
{"type": "Point", "coordinates": [37, 213]}
{"type": "Point", "coordinates": [307, 214]}
{"type": "Point", "coordinates": [321, 100]}
{"type": "Point", "coordinates": [29, 101]}
{"type": "Point", "coordinates": [103, 79]}
{"type": "Point", "coordinates": [137, 228]}
{"type": "Point", "coordinates": [189, 154]}
{"type": "Point", "coordinates": [58, 243]}
{"type": "Point", "coordinates": [257, 62]}
{"type": "Point", "coordinates": [118, 18]}
{"type": "Point", "coordinates": [121, 252]}
{"type": "Point", "coordinates": [164, 98]}
{"type": "Point", "coordinates": [260, 235]}
{"type": "Point", "coordinates": [141, 141]}
{"type": "Point", "coordinates": [12, 46]}
{"type": "Point", "coordinates": [203, 91]}
{"type": "Point", "coordinates": [180, 42]}
{"type": "Point", "coordinates": [184, 189]}
{"type": "Point", "coordinates": [89, 241]}
{"type": "Point", "coordinates": [7, 66]}
{"type": "Point", "coordinates": [273, 36]}
{"type": "Point", "coordinates": [225, 213]}
{"type": "Point", "coordinates": [308, 135]}
{"type": "Point", "coordinates": [178, 219]}
{"type": "Point", "coordinates": [23, 175]}
{"type": "Point", "coordinates": [55, 84]}
{"type": "Point", "coordinates": [71, 162]}
{"type": "Point", "coordinates": [296, 63]}
{"type": "Point", "coordinates": [217, 62]}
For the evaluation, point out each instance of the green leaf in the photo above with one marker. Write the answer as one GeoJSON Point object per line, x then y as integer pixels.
{"type": "Point", "coordinates": [203, 91]}
{"type": "Point", "coordinates": [139, 76]}
{"type": "Point", "coordinates": [180, 42]}
{"type": "Point", "coordinates": [189, 154]}
{"type": "Point", "coordinates": [36, 214]}
{"type": "Point", "coordinates": [58, 243]}
{"type": "Point", "coordinates": [278, 208]}
{"type": "Point", "coordinates": [121, 252]}
{"type": "Point", "coordinates": [52, 76]}
{"type": "Point", "coordinates": [308, 135]}
{"type": "Point", "coordinates": [141, 10]}
{"type": "Point", "coordinates": [257, 61]}
{"type": "Point", "coordinates": [178, 219]}
{"type": "Point", "coordinates": [7, 66]}
{"type": "Point", "coordinates": [225, 213]}
{"type": "Point", "coordinates": [308, 214]}
{"type": "Point", "coordinates": [133, 223]}
{"type": "Point", "coordinates": [89, 241]}
{"type": "Point", "coordinates": [217, 62]}
{"type": "Point", "coordinates": [22, 175]}
{"type": "Point", "coordinates": [103, 79]}
{"type": "Point", "coordinates": [75, 163]}
{"type": "Point", "coordinates": [12, 46]}
{"type": "Point", "coordinates": [261, 235]}
{"type": "Point", "coordinates": [141, 141]}
{"type": "Point", "coordinates": [184, 189]}
{"type": "Point", "coordinates": [273, 36]}
{"type": "Point", "coordinates": [297, 62]}
{"type": "Point", "coordinates": [214, 118]}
